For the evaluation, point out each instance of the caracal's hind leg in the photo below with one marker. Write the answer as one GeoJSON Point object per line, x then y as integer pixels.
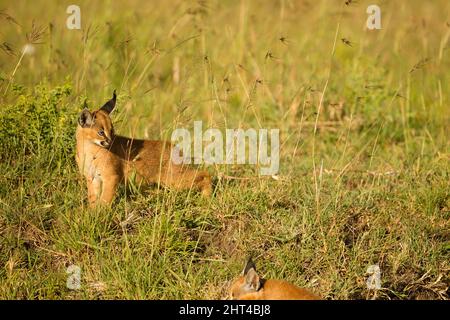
{"type": "Point", "coordinates": [179, 177]}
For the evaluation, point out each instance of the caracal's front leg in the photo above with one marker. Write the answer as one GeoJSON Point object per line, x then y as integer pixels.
{"type": "Point", "coordinates": [109, 189]}
{"type": "Point", "coordinates": [94, 188]}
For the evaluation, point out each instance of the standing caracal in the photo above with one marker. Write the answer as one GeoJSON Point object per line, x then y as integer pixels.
{"type": "Point", "coordinates": [249, 286]}
{"type": "Point", "coordinates": [106, 159]}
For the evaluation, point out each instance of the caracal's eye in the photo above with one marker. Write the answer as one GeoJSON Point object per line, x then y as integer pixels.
{"type": "Point", "coordinates": [101, 133]}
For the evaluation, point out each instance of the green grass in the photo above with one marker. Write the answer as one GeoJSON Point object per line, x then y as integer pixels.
{"type": "Point", "coordinates": [364, 172]}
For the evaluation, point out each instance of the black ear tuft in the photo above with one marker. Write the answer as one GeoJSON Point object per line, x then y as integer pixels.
{"type": "Point", "coordinates": [108, 107]}
{"type": "Point", "coordinates": [85, 104]}
{"type": "Point", "coordinates": [85, 119]}
{"type": "Point", "coordinates": [250, 265]}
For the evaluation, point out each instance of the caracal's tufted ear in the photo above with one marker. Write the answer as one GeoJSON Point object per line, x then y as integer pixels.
{"type": "Point", "coordinates": [252, 280]}
{"type": "Point", "coordinates": [249, 265]}
{"type": "Point", "coordinates": [108, 107]}
{"type": "Point", "coordinates": [85, 119]}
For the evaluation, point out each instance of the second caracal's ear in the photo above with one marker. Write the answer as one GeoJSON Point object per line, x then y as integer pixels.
{"type": "Point", "coordinates": [85, 119]}
{"type": "Point", "coordinates": [109, 106]}
{"type": "Point", "coordinates": [249, 265]}
{"type": "Point", "coordinates": [252, 280]}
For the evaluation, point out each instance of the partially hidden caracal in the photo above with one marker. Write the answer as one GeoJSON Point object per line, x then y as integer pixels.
{"type": "Point", "coordinates": [249, 286]}
{"type": "Point", "coordinates": [106, 159]}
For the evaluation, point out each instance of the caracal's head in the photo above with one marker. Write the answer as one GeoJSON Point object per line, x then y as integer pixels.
{"type": "Point", "coordinates": [97, 126]}
{"type": "Point", "coordinates": [247, 282]}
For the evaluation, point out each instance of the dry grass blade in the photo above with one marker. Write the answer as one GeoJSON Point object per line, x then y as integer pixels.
{"type": "Point", "coordinates": [350, 2]}
{"type": "Point", "coordinates": [284, 40]}
{"type": "Point", "coordinates": [419, 65]}
{"type": "Point", "coordinates": [36, 34]}
{"type": "Point", "coordinates": [269, 55]}
{"type": "Point", "coordinates": [347, 42]}
{"type": "Point", "coordinates": [8, 49]}
{"type": "Point", "coordinates": [362, 153]}
{"type": "Point", "coordinates": [8, 17]}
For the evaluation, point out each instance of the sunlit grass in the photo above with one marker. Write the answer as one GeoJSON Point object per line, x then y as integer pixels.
{"type": "Point", "coordinates": [364, 147]}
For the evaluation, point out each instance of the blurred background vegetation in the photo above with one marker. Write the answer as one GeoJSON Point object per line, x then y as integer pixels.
{"type": "Point", "coordinates": [364, 121]}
